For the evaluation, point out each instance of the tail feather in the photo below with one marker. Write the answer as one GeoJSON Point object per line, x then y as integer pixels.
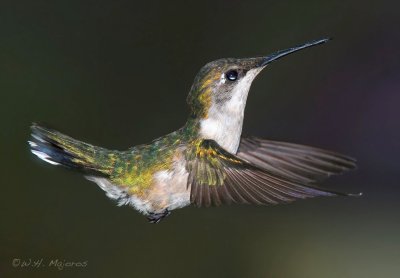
{"type": "Point", "coordinates": [59, 149]}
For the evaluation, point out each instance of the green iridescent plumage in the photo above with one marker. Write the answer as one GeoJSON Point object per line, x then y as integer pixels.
{"type": "Point", "coordinates": [132, 169]}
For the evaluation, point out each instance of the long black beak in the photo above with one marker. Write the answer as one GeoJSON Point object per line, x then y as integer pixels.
{"type": "Point", "coordinates": [279, 54]}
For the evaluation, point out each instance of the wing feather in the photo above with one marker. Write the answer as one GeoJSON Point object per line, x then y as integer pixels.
{"type": "Point", "coordinates": [298, 162]}
{"type": "Point", "coordinates": [218, 177]}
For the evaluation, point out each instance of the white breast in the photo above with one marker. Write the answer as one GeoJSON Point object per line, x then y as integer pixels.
{"type": "Point", "coordinates": [173, 186]}
{"type": "Point", "coordinates": [224, 128]}
{"type": "Point", "coordinates": [224, 122]}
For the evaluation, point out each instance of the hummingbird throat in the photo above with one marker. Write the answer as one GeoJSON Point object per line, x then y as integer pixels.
{"type": "Point", "coordinates": [224, 120]}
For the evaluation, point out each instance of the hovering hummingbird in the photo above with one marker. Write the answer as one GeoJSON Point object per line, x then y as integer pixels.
{"type": "Point", "coordinates": [206, 162]}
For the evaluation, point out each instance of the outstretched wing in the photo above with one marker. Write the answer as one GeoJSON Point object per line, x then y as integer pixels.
{"type": "Point", "coordinates": [298, 162]}
{"type": "Point", "coordinates": [217, 177]}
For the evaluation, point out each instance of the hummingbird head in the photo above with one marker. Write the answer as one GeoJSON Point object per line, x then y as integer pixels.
{"type": "Point", "coordinates": [219, 93]}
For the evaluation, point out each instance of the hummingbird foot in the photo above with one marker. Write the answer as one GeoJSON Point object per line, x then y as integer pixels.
{"type": "Point", "coordinates": [154, 218]}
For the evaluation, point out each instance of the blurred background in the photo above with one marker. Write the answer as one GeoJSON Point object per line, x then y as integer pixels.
{"type": "Point", "coordinates": [116, 74]}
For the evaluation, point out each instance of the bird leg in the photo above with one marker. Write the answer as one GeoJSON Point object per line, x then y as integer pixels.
{"type": "Point", "coordinates": [156, 217]}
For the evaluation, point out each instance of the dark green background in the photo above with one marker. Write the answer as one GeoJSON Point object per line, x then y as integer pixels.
{"type": "Point", "coordinates": [116, 74]}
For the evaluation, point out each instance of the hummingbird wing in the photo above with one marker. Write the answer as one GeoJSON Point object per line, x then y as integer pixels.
{"type": "Point", "coordinates": [298, 162]}
{"type": "Point", "coordinates": [217, 177]}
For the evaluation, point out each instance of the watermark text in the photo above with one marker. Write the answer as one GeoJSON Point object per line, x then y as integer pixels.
{"type": "Point", "coordinates": [59, 264]}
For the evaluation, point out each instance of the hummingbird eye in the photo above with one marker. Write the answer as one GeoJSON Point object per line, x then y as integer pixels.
{"type": "Point", "coordinates": [232, 75]}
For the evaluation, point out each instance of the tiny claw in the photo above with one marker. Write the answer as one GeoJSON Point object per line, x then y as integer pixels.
{"type": "Point", "coordinates": [154, 218]}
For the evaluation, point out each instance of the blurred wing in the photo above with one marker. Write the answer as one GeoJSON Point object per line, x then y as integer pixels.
{"type": "Point", "coordinates": [218, 177]}
{"type": "Point", "coordinates": [298, 162]}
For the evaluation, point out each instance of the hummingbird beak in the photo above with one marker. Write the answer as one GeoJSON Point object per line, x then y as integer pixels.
{"type": "Point", "coordinates": [279, 54]}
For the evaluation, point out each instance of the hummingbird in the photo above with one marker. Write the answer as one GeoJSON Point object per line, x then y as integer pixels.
{"type": "Point", "coordinates": [206, 162]}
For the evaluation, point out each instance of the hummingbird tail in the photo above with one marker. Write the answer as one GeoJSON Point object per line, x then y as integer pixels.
{"type": "Point", "coordinates": [59, 149]}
